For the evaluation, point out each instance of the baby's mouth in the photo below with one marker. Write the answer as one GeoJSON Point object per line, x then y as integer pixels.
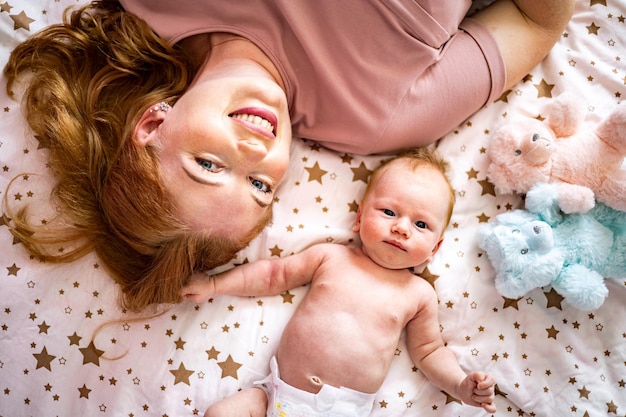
{"type": "Point", "coordinates": [395, 244]}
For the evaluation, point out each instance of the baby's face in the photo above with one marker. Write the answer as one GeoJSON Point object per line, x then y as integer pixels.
{"type": "Point", "coordinates": [402, 219]}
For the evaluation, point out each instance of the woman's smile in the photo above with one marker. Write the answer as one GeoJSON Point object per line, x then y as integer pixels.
{"type": "Point", "coordinates": [254, 117]}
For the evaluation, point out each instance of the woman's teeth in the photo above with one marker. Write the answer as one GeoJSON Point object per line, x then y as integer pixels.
{"type": "Point", "coordinates": [257, 120]}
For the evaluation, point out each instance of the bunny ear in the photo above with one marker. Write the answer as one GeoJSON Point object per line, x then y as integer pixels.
{"type": "Point", "coordinates": [564, 115]}
{"type": "Point", "coordinates": [612, 129]}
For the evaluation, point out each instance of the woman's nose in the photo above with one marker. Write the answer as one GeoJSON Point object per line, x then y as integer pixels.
{"type": "Point", "coordinates": [253, 150]}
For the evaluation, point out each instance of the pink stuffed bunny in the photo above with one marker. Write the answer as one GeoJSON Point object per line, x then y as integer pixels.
{"type": "Point", "coordinates": [561, 149]}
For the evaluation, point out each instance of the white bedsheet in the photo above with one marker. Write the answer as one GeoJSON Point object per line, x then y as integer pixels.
{"type": "Point", "coordinates": [548, 358]}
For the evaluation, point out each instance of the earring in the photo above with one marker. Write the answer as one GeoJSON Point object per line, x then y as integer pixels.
{"type": "Point", "coordinates": [163, 106]}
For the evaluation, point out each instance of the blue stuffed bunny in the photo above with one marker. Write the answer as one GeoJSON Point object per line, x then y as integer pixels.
{"type": "Point", "coordinates": [542, 246]}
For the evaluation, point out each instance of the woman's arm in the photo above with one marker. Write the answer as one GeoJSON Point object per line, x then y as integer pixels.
{"type": "Point", "coordinates": [263, 277]}
{"type": "Point", "coordinates": [525, 31]}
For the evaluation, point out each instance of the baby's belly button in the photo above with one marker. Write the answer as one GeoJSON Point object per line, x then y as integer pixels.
{"type": "Point", "coordinates": [315, 383]}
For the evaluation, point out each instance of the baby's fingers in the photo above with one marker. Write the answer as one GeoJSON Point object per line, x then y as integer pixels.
{"type": "Point", "coordinates": [190, 293]}
{"type": "Point", "coordinates": [489, 407]}
{"type": "Point", "coordinates": [481, 396]}
{"type": "Point", "coordinates": [197, 291]}
{"type": "Point", "coordinates": [483, 381]}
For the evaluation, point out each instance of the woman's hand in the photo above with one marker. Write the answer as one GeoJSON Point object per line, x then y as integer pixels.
{"type": "Point", "coordinates": [199, 288]}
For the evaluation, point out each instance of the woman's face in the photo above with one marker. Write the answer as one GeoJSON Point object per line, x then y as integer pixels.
{"type": "Point", "coordinates": [224, 147]}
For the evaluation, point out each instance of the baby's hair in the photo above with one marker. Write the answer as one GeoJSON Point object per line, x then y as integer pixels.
{"type": "Point", "coordinates": [415, 158]}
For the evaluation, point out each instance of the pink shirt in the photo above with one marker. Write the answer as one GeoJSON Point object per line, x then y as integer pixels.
{"type": "Point", "coordinates": [361, 76]}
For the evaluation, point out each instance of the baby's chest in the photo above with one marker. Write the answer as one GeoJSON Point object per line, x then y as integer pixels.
{"type": "Point", "coordinates": [377, 300]}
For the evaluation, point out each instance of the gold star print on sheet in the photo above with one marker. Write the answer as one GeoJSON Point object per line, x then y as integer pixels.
{"type": "Point", "coordinates": [181, 374]}
{"type": "Point", "coordinates": [544, 89]}
{"type": "Point", "coordinates": [315, 172]}
{"type": "Point", "coordinates": [13, 269]}
{"type": "Point", "coordinates": [480, 326]}
{"type": "Point", "coordinates": [275, 251]}
{"type": "Point", "coordinates": [552, 332]}
{"type": "Point", "coordinates": [511, 302]}
{"type": "Point", "coordinates": [91, 354]}
{"type": "Point", "coordinates": [554, 299]}
{"type": "Point", "coordinates": [472, 173]}
{"type": "Point", "coordinates": [212, 353]}
{"type": "Point", "coordinates": [229, 367]}
{"type": "Point", "coordinates": [44, 359]}
{"type": "Point", "coordinates": [450, 398]}
{"type": "Point", "coordinates": [84, 391]}
{"type": "Point", "coordinates": [21, 21]}
{"type": "Point", "coordinates": [74, 339]}
{"type": "Point", "coordinates": [487, 187]}
{"type": "Point", "coordinates": [361, 173]}
{"type": "Point", "coordinates": [593, 29]}
{"type": "Point", "coordinates": [428, 276]}
{"type": "Point", "coordinates": [5, 7]}
{"type": "Point", "coordinates": [287, 297]}
{"type": "Point", "coordinates": [42, 142]}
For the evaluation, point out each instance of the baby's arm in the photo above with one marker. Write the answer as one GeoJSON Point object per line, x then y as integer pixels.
{"type": "Point", "coordinates": [438, 363]}
{"type": "Point", "coordinates": [263, 277]}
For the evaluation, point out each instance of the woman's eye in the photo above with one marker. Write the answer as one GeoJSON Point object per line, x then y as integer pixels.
{"type": "Point", "coordinates": [388, 212]}
{"type": "Point", "coordinates": [207, 164]}
{"type": "Point", "coordinates": [421, 225]}
{"type": "Point", "coordinates": [261, 185]}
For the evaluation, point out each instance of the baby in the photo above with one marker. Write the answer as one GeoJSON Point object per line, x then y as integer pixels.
{"type": "Point", "coordinates": [337, 348]}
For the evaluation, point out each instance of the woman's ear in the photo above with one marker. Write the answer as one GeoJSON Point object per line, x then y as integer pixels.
{"type": "Point", "coordinates": [146, 130]}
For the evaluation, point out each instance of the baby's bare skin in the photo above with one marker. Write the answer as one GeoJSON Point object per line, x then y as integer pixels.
{"type": "Point", "coordinates": [346, 330]}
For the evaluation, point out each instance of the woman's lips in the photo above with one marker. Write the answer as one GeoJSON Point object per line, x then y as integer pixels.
{"type": "Point", "coordinates": [258, 119]}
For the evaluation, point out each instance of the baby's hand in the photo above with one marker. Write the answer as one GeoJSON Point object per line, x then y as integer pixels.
{"type": "Point", "coordinates": [200, 288]}
{"type": "Point", "coordinates": [477, 389]}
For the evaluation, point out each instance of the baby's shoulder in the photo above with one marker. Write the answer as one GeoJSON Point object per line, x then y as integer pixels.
{"type": "Point", "coordinates": [420, 288]}
{"type": "Point", "coordinates": [335, 249]}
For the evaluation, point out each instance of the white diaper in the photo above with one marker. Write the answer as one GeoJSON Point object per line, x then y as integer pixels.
{"type": "Point", "coordinates": [287, 401]}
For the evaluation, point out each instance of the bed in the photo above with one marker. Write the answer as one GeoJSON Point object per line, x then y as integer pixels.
{"type": "Point", "coordinates": [67, 349]}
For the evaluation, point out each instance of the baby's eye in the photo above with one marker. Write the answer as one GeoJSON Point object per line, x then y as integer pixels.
{"type": "Point", "coordinates": [389, 212]}
{"type": "Point", "coordinates": [207, 164]}
{"type": "Point", "coordinates": [261, 186]}
{"type": "Point", "coordinates": [421, 225]}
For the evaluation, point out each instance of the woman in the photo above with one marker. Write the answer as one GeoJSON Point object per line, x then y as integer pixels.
{"type": "Point", "coordinates": [167, 148]}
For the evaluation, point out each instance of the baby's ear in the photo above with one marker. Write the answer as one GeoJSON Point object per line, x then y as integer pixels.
{"type": "Point", "coordinates": [357, 222]}
{"type": "Point", "coordinates": [435, 249]}
{"type": "Point", "coordinates": [146, 130]}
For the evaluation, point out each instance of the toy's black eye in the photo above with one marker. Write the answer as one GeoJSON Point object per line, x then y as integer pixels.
{"type": "Point", "coordinates": [536, 137]}
{"type": "Point", "coordinates": [524, 251]}
{"type": "Point", "coordinates": [518, 152]}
